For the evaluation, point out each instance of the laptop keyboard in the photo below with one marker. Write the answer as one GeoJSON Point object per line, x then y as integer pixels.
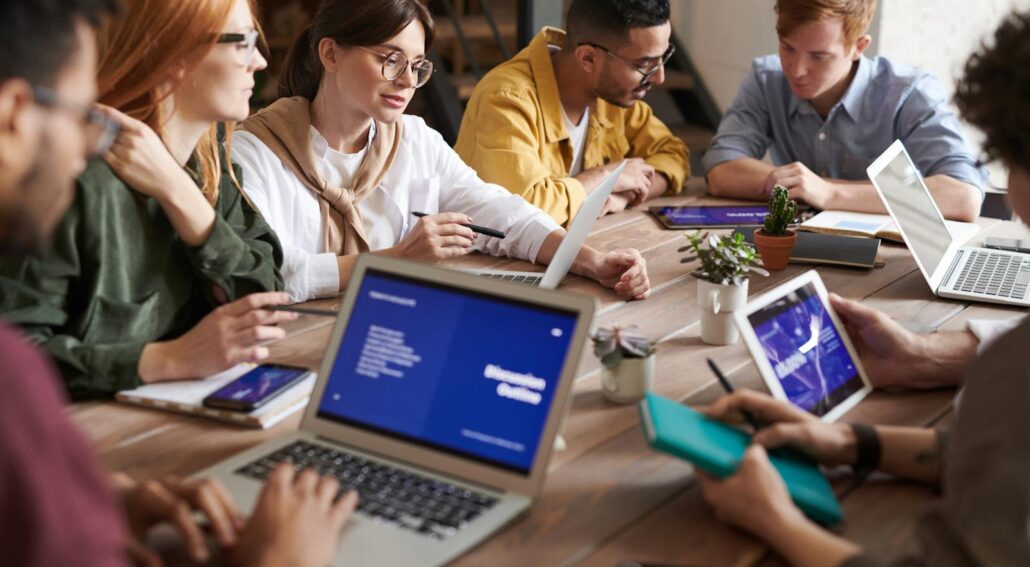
{"type": "Point", "coordinates": [514, 278]}
{"type": "Point", "coordinates": [424, 505]}
{"type": "Point", "coordinates": [999, 275]}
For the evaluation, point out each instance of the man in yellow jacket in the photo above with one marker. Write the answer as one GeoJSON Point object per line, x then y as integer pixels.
{"type": "Point", "coordinates": [553, 121]}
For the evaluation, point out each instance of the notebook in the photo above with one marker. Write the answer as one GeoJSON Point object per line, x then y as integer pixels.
{"type": "Point", "coordinates": [819, 248]}
{"type": "Point", "coordinates": [187, 396]}
{"type": "Point", "coordinates": [843, 223]}
{"type": "Point", "coordinates": [717, 448]}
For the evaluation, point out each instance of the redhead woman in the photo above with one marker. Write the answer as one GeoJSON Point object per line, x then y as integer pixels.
{"type": "Point", "coordinates": [338, 169]}
{"type": "Point", "coordinates": [161, 267]}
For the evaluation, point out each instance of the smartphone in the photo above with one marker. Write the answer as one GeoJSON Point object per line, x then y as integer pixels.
{"type": "Point", "coordinates": [1010, 244]}
{"type": "Point", "coordinates": [256, 388]}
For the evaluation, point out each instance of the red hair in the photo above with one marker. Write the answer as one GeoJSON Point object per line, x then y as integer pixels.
{"type": "Point", "coordinates": [855, 15]}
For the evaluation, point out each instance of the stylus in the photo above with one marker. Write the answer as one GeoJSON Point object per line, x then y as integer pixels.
{"type": "Point", "coordinates": [728, 386]}
{"type": "Point", "coordinates": [472, 227]}
{"type": "Point", "coordinates": [303, 310]}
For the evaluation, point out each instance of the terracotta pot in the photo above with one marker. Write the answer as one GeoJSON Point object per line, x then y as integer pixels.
{"type": "Point", "coordinates": [775, 250]}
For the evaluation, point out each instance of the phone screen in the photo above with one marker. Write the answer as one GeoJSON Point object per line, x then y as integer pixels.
{"type": "Point", "coordinates": [256, 387]}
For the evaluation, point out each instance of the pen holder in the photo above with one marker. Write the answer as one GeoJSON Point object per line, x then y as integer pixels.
{"type": "Point", "coordinates": [717, 303]}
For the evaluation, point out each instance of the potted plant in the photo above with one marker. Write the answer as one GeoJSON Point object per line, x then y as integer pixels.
{"type": "Point", "coordinates": [774, 241]}
{"type": "Point", "coordinates": [628, 360]}
{"type": "Point", "coordinates": [726, 265]}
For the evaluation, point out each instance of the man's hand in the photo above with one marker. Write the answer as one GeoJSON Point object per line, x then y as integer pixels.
{"type": "Point", "coordinates": [804, 185]}
{"type": "Point", "coordinates": [296, 522]}
{"type": "Point", "coordinates": [625, 271]}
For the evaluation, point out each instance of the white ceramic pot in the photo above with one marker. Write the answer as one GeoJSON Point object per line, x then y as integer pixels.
{"type": "Point", "coordinates": [629, 381]}
{"type": "Point", "coordinates": [717, 303]}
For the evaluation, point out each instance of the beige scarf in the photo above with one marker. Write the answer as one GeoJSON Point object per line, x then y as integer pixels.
{"type": "Point", "coordinates": [285, 127]}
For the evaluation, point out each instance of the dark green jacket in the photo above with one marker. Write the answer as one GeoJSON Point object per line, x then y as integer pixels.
{"type": "Point", "coordinates": [117, 277]}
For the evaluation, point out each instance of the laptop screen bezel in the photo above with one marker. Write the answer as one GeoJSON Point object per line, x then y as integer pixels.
{"type": "Point", "coordinates": [935, 278]}
{"type": "Point", "coordinates": [420, 454]}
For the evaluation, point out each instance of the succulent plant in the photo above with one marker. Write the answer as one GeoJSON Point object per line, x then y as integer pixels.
{"type": "Point", "coordinates": [782, 212]}
{"type": "Point", "coordinates": [612, 344]}
{"type": "Point", "coordinates": [727, 259]}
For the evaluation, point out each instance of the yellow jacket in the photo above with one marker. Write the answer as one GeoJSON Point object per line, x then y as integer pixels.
{"type": "Point", "coordinates": [513, 134]}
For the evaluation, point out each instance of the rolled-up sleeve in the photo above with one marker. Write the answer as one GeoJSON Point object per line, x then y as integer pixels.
{"type": "Point", "coordinates": [525, 226]}
{"type": "Point", "coordinates": [933, 136]}
{"type": "Point", "coordinates": [745, 130]}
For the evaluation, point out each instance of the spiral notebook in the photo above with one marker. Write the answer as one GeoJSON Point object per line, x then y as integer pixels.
{"type": "Point", "coordinates": [187, 396]}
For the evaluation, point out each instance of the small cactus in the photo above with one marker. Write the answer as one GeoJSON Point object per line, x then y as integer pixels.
{"type": "Point", "coordinates": [782, 212]}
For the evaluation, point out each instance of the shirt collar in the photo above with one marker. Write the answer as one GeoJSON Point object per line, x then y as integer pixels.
{"type": "Point", "coordinates": [546, 83]}
{"type": "Point", "coordinates": [320, 146]}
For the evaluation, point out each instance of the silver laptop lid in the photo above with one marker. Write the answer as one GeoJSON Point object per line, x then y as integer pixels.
{"type": "Point", "coordinates": [579, 230]}
{"type": "Point", "coordinates": [450, 372]}
{"type": "Point", "coordinates": [914, 211]}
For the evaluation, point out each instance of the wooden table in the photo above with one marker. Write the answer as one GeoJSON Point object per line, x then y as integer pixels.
{"type": "Point", "coordinates": [608, 497]}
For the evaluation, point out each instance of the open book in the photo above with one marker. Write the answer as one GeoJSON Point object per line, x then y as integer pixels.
{"type": "Point", "coordinates": [845, 223]}
{"type": "Point", "coordinates": [187, 396]}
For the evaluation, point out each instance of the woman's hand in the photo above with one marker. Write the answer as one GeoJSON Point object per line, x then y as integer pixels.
{"type": "Point", "coordinates": [437, 237]}
{"type": "Point", "coordinates": [229, 335]}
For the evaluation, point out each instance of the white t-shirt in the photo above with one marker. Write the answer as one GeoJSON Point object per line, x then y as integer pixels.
{"type": "Point", "coordinates": [578, 139]}
{"type": "Point", "coordinates": [426, 175]}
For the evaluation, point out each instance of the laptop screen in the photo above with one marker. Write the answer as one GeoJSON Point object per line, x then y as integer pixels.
{"type": "Point", "coordinates": [915, 212]}
{"type": "Point", "coordinates": [806, 352]}
{"type": "Point", "coordinates": [458, 371]}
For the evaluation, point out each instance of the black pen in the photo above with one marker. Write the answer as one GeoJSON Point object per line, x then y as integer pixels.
{"type": "Point", "coordinates": [472, 227]}
{"type": "Point", "coordinates": [728, 386]}
{"type": "Point", "coordinates": [302, 310]}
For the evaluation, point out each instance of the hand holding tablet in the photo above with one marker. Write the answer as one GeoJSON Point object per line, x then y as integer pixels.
{"type": "Point", "coordinates": [801, 348]}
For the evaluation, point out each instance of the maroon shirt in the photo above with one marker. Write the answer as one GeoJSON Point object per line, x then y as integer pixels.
{"type": "Point", "coordinates": [56, 507]}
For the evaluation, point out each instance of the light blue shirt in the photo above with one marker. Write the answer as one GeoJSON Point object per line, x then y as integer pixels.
{"type": "Point", "coordinates": [884, 102]}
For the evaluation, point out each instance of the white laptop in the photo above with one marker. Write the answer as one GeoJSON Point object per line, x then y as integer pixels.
{"type": "Point", "coordinates": [438, 399]}
{"type": "Point", "coordinates": [570, 244]}
{"type": "Point", "coordinates": [952, 270]}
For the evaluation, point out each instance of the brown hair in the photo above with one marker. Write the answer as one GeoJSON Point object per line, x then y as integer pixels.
{"type": "Point", "coordinates": [351, 24]}
{"type": "Point", "coordinates": [856, 15]}
{"type": "Point", "coordinates": [144, 48]}
{"type": "Point", "coordinates": [994, 92]}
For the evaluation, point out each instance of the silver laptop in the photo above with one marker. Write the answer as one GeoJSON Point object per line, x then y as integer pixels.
{"type": "Point", "coordinates": [952, 270]}
{"type": "Point", "coordinates": [570, 244]}
{"type": "Point", "coordinates": [438, 400]}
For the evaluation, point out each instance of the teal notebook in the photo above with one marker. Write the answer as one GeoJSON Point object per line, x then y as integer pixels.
{"type": "Point", "coordinates": [717, 448]}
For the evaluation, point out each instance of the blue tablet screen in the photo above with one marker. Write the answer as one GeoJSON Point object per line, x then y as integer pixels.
{"type": "Point", "coordinates": [714, 216]}
{"type": "Point", "coordinates": [806, 351]}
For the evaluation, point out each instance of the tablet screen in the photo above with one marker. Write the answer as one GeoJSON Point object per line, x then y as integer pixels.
{"type": "Point", "coordinates": [805, 351]}
{"type": "Point", "coordinates": [713, 216]}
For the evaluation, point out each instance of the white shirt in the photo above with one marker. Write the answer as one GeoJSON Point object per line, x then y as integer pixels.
{"type": "Point", "coordinates": [989, 330]}
{"type": "Point", "coordinates": [426, 175]}
{"type": "Point", "coordinates": [578, 139]}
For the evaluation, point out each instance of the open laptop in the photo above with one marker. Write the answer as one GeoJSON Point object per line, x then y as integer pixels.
{"type": "Point", "coordinates": [570, 244]}
{"type": "Point", "coordinates": [952, 270]}
{"type": "Point", "coordinates": [438, 399]}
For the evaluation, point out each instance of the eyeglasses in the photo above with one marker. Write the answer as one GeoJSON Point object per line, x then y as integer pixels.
{"type": "Point", "coordinates": [396, 63]}
{"type": "Point", "coordinates": [100, 130]}
{"type": "Point", "coordinates": [648, 71]}
{"type": "Point", "coordinates": [246, 45]}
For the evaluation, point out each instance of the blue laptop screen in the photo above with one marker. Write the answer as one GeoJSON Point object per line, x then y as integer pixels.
{"type": "Point", "coordinates": [464, 372]}
{"type": "Point", "coordinates": [806, 352]}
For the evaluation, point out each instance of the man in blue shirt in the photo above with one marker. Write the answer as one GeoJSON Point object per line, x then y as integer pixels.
{"type": "Point", "coordinates": [824, 112]}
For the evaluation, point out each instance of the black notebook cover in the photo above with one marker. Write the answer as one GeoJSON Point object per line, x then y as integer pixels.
{"type": "Point", "coordinates": [818, 248]}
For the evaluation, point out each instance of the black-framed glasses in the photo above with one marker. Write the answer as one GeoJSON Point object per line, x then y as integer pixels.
{"type": "Point", "coordinates": [396, 63]}
{"type": "Point", "coordinates": [647, 71]}
{"type": "Point", "coordinates": [246, 44]}
{"type": "Point", "coordinates": [100, 130]}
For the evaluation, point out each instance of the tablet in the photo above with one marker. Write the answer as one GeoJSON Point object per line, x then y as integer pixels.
{"type": "Point", "coordinates": [801, 348]}
{"type": "Point", "coordinates": [710, 217]}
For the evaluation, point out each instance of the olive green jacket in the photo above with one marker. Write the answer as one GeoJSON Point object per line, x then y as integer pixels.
{"type": "Point", "coordinates": [117, 276]}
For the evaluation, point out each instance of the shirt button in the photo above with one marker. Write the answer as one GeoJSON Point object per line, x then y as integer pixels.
{"type": "Point", "coordinates": [822, 136]}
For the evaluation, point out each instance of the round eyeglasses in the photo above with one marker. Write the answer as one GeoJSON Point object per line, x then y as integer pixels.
{"type": "Point", "coordinates": [648, 70]}
{"type": "Point", "coordinates": [246, 45]}
{"type": "Point", "coordinates": [396, 63]}
{"type": "Point", "coordinates": [100, 130]}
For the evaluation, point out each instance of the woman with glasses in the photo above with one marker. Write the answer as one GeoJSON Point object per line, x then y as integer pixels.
{"type": "Point", "coordinates": [160, 268]}
{"type": "Point", "coordinates": [338, 169]}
